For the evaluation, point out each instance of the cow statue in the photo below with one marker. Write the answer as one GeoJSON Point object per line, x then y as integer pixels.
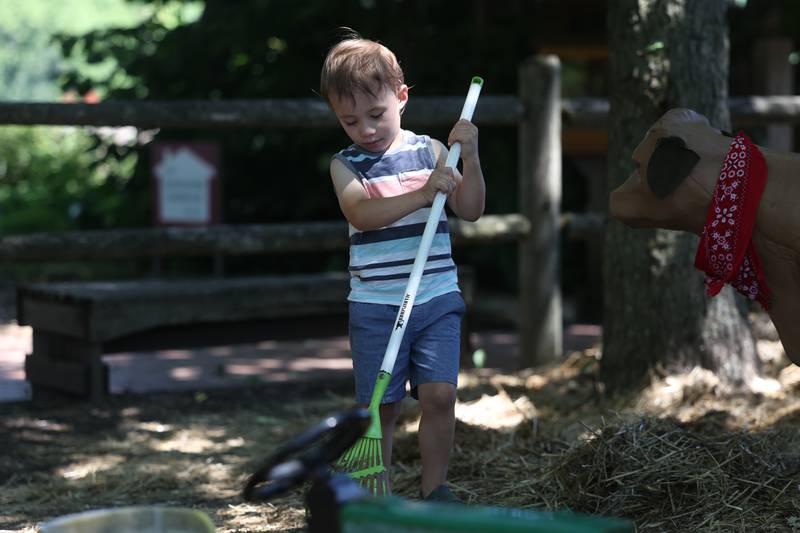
{"type": "Point", "coordinates": [741, 199]}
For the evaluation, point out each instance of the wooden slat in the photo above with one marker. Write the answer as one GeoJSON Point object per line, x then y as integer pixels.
{"type": "Point", "coordinates": [50, 315]}
{"type": "Point", "coordinates": [584, 113]}
{"type": "Point", "coordinates": [764, 110]}
{"type": "Point", "coordinates": [583, 226]}
{"type": "Point", "coordinates": [64, 376]}
{"type": "Point", "coordinates": [254, 239]}
{"type": "Point", "coordinates": [492, 110]}
{"type": "Point", "coordinates": [592, 113]}
{"type": "Point", "coordinates": [114, 309]}
{"type": "Point", "coordinates": [226, 239]}
{"type": "Point", "coordinates": [274, 113]}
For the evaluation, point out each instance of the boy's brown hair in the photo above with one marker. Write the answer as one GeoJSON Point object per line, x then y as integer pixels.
{"type": "Point", "coordinates": [358, 65]}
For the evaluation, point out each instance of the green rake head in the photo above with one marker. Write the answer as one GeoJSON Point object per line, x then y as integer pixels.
{"type": "Point", "coordinates": [364, 463]}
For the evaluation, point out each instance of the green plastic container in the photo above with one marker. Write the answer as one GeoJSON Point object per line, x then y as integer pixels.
{"type": "Point", "coordinates": [396, 515]}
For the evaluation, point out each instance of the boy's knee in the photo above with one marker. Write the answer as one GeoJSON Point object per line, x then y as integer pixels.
{"type": "Point", "coordinates": [438, 397]}
{"type": "Point", "coordinates": [390, 412]}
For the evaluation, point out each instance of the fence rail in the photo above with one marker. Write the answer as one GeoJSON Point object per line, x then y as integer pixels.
{"type": "Point", "coordinates": [242, 239]}
{"type": "Point", "coordinates": [276, 113]}
{"type": "Point", "coordinates": [505, 110]}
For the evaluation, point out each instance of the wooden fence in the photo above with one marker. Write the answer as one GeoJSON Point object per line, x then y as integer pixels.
{"type": "Point", "coordinates": [536, 111]}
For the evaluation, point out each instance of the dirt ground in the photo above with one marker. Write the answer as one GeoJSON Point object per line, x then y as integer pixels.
{"type": "Point", "coordinates": [680, 455]}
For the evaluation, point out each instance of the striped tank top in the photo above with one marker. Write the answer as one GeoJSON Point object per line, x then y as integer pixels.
{"type": "Point", "coordinates": [381, 260]}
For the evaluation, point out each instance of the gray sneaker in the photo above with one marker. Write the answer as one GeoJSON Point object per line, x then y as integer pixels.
{"type": "Point", "coordinates": [442, 494]}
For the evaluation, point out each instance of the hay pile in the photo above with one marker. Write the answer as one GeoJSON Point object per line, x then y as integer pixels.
{"type": "Point", "coordinates": [666, 475]}
{"type": "Point", "coordinates": [662, 474]}
{"type": "Point", "coordinates": [681, 456]}
{"type": "Point", "coordinates": [693, 466]}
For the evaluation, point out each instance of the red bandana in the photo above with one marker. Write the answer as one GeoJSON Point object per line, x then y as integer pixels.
{"type": "Point", "coordinates": [726, 252]}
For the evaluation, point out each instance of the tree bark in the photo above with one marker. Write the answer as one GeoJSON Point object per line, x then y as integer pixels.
{"type": "Point", "coordinates": [665, 54]}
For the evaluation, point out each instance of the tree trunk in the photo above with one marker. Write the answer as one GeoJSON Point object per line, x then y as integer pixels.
{"type": "Point", "coordinates": [665, 54]}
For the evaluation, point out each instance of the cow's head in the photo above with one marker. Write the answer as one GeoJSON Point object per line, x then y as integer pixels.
{"type": "Point", "coordinates": [676, 167]}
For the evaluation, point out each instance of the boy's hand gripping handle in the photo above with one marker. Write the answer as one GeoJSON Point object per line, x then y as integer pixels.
{"type": "Point", "coordinates": [427, 239]}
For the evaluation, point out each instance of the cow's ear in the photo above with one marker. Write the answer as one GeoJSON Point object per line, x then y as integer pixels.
{"type": "Point", "coordinates": [669, 165]}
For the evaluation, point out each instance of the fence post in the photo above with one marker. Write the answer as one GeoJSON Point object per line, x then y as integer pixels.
{"type": "Point", "coordinates": [540, 326]}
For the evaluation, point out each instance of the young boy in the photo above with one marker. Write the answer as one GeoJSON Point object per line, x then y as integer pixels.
{"type": "Point", "coordinates": [385, 183]}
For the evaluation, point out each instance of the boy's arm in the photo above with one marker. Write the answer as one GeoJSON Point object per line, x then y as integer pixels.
{"type": "Point", "coordinates": [367, 213]}
{"type": "Point", "coordinates": [468, 201]}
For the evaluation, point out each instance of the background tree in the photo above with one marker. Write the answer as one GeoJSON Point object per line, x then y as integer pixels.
{"type": "Point", "coordinates": [57, 178]}
{"type": "Point", "coordinates": [665, 54]}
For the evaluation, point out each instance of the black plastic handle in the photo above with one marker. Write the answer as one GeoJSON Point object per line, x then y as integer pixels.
{"type": "Point", "coordinates": [295, 463]}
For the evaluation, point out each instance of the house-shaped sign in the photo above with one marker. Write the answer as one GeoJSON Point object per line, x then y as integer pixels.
{"type": "Point", "coordinates": [185, 183]}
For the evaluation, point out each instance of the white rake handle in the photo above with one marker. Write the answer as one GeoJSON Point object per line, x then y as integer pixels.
{"type": "Point", "coordinates": [427, 239]}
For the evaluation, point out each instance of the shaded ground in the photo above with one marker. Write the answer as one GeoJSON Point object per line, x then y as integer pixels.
{"type": "Point", "coordinates": [680, 455]}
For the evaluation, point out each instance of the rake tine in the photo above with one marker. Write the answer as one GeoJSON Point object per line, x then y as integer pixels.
{"type": "Point", "coordinates": [364, 463]}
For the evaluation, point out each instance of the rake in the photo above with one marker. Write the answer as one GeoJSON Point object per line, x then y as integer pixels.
{"type": "Point", "coordinates": [364, 460]}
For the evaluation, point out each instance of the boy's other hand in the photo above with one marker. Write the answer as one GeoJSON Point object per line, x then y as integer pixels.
{"type": "Point", "coordinates": [442, 179]}
{"type": "Point", "coordinates": [466, 133]}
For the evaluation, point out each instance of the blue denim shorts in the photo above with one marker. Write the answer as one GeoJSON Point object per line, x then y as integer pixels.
{"type": "Point", "coordinates": [430, 350]}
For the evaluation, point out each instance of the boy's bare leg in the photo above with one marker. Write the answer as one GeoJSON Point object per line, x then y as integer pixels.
{"type": "Point", "coordinates": [436, 428]}
{"type": "Point", "coordinates": [389, 413]}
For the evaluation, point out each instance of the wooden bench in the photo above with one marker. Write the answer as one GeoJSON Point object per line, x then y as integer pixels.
{"type": "Point", "coordinates": [75, 323]}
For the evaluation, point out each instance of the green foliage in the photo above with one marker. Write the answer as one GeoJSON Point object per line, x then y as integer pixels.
{"type": "Point", "coordinates": [66, 178]}
{"type": "Point", "coordinates": [27, 64]}
{"type": "Point", "coordinates": [101, 59]}
{"type": "Point", "coordinates": [59, 179]}
{"type": "Point", "coordinates": [30, 61]}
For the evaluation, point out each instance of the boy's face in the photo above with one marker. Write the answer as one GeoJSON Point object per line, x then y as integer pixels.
{"type": "Point", "coordinates": [372, 122]}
